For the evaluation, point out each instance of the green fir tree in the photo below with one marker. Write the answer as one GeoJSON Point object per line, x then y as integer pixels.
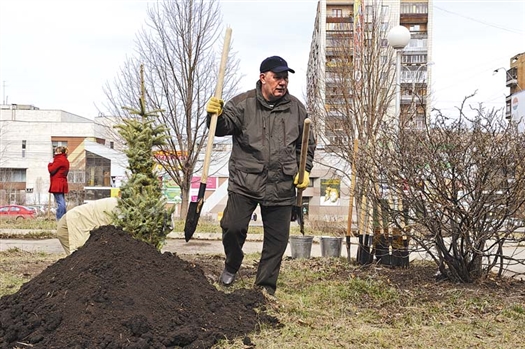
{"type": "Point", "coordinates": [142, 208]}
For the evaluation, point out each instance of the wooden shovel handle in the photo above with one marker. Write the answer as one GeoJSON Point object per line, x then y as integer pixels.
{"type": "Point", "coordinates": [304, 149]}
{"type": "Point", "coordinates": [218, 94]}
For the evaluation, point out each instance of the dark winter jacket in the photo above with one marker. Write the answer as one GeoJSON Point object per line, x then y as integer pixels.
{"type": "Point", "coordinates": [266, 146]}
{"type": "Point", "coordinates": [58, 170]}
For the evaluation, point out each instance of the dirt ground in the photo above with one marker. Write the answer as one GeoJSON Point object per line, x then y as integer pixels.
{"type": "Point", "coordinates": [117, 292]}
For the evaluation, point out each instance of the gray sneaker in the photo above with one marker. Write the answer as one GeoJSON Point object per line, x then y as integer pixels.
{"type": "Point", "coordinates": [227, 278]}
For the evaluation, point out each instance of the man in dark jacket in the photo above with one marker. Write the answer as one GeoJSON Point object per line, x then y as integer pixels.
{"type": "Point", "coordinates": [58, 170]}
{"type": "Point", "coordinates": [266, 126]}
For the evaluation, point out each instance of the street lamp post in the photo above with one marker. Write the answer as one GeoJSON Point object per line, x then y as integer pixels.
{"type": "Point", "coordinates": [509, 77]}
{"type": "Point", "coordinates": [398, 38]}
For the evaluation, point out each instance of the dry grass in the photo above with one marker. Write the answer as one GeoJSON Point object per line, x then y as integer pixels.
{"type": "Point", "coordinates": [43, 228]}
{"type": "Point", "coordinates": [329, 303]}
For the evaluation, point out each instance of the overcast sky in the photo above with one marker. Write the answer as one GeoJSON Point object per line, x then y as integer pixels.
{"type": "Point", "coordinates": [58, 54]}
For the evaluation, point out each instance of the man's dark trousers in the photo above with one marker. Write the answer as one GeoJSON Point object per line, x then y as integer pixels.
{"type": "Point", "coordinates": [276, 224]}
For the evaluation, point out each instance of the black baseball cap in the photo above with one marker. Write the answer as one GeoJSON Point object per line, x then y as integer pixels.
{"type": "Point", "coordinates": [275, 64]}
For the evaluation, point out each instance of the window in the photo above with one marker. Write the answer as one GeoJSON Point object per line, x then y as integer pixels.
{"type": "Point", "coordinates": [97, 168]}
{"type": "Point", "coordinates": [24, 144]}
{"type": "Point", "coordinates": [12, 175]}
{"type": "Point", "coordinates": [412, 59]}
{"type": "Point", "coordinates": [55, 144]}
{"type": "Point", "coordinates": [417, 43]}
{"type": "Point", "coordinates": [369, 13]}
{"type": "Point", "coordinates": [385, 14]}
{"type": "Point", "coordinates": [337, 12]}
{"type": "Point", "coordinates": [407, 8]}
{"type": "Point", "coordinates": [76, 176]}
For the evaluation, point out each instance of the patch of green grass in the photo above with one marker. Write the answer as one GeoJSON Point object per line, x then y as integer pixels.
{"type": "Point", "coordinates": [515, 312]}
{"type": "Point", "coordinates": [18, 267]}
{"type": "Point", "coordinates": [35, 235]}
{"type": "Point", "coordinates": [29, 224]}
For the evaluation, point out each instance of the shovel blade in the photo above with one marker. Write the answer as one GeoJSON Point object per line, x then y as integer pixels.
{"type": "Point", "coordinates": [192, 219]}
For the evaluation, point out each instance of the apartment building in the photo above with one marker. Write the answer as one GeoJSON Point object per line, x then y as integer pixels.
{"type": "Point", "coordinates": [349, 45]}
{"type": "Point", "coordinates": [352, 82]}
{"type": "Point", "coordinates": [515, 81]}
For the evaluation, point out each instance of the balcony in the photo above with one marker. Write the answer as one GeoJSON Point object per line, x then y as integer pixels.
{"type": "Point", "coordinates": [330, 19]}
{"type": "Point", "coordinates": [410, 18]}
{"type": "Point", "coordinates": [512, 77]}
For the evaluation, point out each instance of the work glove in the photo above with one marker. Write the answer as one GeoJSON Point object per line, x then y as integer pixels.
{"type": "Point", "coordinates": [215, 106]}
{"type": "Point", "coordinates": [306, 180]}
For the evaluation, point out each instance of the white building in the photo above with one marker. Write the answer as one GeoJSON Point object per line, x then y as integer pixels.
{"type": "Point", "coordinates": [28, 136]}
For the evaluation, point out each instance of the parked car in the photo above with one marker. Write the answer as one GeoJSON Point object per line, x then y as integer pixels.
{"type": "Point", "coordinates": [41, 210]}
{"type": "Point", "coordinates": [17, 212]}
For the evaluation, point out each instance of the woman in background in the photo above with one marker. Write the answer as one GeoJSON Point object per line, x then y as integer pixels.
{"type": "Point", "coordinates": [58, 170]}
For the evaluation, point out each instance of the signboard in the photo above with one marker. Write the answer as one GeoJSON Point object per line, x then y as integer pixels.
{"type": "Point", "coordinates": [211, 183]}
{"type": "Point", "coordinates": [171, 190]}
{"type": "Point", "coordinates": [517, 109]}
{"type": "Point", "coordinates": [330, 192]}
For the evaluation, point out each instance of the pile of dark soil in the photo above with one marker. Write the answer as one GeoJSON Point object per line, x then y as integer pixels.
{"type": "Point", "coordinates": [118, 292]}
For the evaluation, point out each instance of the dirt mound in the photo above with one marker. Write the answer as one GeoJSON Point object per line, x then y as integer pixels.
{"type": "Point", "coordinates": [118, 292]}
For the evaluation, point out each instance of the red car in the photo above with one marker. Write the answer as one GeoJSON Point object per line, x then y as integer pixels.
{"type": "Point", "coordinates": [17, 212]}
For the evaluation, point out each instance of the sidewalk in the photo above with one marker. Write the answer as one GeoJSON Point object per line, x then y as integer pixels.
{"type": "Point", "coordinates": [210, 243]}
{"type": "Point", "coordinates": [201, 243]}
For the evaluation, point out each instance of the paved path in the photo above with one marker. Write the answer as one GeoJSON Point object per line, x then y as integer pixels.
{"type": "Point", "coordinates": [211, 244]}
{"type": "Point", "coordinates": [203, 244]}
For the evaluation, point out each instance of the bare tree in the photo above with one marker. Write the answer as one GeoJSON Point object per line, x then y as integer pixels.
{"type": "Point", "coordinates": [354, 101]}
{"type": "Point", "coordinates": [180, 50]}
{"type": "Point", "coordinates": [456, 188]}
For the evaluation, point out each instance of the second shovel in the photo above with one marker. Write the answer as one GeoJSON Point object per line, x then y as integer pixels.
{"type": "Point", "coordinates": [297, 211]}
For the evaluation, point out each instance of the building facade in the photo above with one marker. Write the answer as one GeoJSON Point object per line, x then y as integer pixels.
{"type": "Point", "coordinates": [28, 136]}
{"type": "Point", "coordinates": [352, 83]}
{"type": "Point", "coordinates": [349, 49]}
{"type": "Point", "coordinates": [515, 81]}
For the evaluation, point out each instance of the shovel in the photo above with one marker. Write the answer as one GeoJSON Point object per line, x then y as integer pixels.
{"type": "Point", "coordinates": [194, 210]}
{"type": "Point", "coordinates": [297, 211]}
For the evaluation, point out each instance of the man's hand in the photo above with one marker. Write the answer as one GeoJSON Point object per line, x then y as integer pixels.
{"type": "Point", "coordinates": [306, 180]}
{"type": "Point", "coordinates": [215, 106]}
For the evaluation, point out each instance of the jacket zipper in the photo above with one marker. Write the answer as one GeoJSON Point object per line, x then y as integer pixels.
{"type": "Point", "coordinates": [284, 132]}
{"type": "Point", "coordinates": [264, 132]}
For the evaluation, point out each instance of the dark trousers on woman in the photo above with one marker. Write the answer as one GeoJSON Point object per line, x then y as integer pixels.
{"type": "Point", "coordinates": [276, 225]}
